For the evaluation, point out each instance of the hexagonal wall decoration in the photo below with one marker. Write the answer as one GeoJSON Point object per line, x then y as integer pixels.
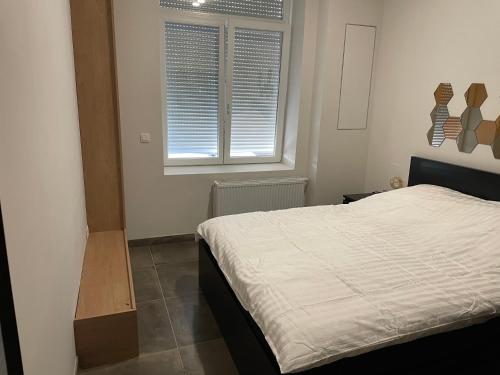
{"type": "Point", "coordinates": [486, 132]}
{"type": "Point", "coordinates": [470, 129]}
{"type": "Point", "coordinates": [435, 136]}
{"type": "Point", "coordinates": [496, 143]}
{"type": "Point", "coordinates": [476, 95]}
{"type": "Point", "coordinates": [496, 148]}
{"type": "Point", "coordinates": [439, 115]}
{"type": "Point", "coordinates": [472, 117]}
{"type": "Point", "coordinates": [452, 127]}
{"type": "Point", "coordinates": [443, 93]}
{"type": "Point", "coordinates": [467, 141]}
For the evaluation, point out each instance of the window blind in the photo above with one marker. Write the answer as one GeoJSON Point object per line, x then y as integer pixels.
{"type": "Point", "coordinates": [192, 90]}
{"type": "Point", "coordinates": [272, 9]}
{"type": "Point", "coordinates": [255, 92]}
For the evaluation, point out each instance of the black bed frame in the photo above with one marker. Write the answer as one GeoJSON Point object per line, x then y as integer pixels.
{"type": "Point", "coordinates": [7, 313]}
{"type": "Point", "coordinates": [471, 350]}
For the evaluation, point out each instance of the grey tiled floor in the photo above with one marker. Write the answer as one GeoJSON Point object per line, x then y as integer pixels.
{"type": "Point", "coordinates": [177, 331]}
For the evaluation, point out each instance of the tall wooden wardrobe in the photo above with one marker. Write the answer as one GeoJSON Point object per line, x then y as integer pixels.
{"type": "Point", "coordinates": [106, 319]}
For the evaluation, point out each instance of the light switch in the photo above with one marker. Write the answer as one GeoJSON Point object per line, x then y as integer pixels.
{"type": "Point", "coordinates": [145, 137]}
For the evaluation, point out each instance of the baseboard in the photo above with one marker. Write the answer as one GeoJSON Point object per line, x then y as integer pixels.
{"type": "Point", "coordinates": [161, 240]}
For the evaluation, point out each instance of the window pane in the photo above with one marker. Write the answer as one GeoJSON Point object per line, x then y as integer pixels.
{"type": "Point", "coordinates": [192, 90]}
{"type": "Point", "coordinates": [256, 81]}
{"type": "Point", "coordinates": [250, 8]}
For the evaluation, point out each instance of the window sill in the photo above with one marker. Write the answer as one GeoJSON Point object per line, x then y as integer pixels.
{"type": "Point", "coordinates": [228, 168]}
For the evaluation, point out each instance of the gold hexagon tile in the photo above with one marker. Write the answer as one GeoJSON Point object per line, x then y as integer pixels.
{"type": "Point", "coordinates": [476, 95]}
{"type": "Point", "coordinates": [486, 132]}
{"type": "Point", "coordinates": [496, 148]}
{"type": "Point", "coordinates": [452, 128]}
{"type": "Point", "coordinates": [496, 144]}
{"type": "Point", "coordinates": [443, 93]}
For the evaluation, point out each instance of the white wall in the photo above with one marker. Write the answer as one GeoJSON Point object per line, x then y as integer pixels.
{"type": "Point", "coordinates": [423, 43]}
{"type": "Point", "coordinates": [419, 44]}
{"type": "Point", "coordinates": [335, 161]}
{"type": "Point", "coordinates": [337, 157]}
{"type": "Point", "coordinates": [41, 182]}
{"type": "Point", "coordinates": [159, 205]}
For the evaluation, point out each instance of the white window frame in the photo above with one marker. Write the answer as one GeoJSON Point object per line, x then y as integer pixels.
{"type": "Point", "coordinates": [225, 94]}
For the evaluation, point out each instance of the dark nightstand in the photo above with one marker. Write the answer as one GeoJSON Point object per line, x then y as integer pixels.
{"type": "Point", "coordinates": [349, 198]}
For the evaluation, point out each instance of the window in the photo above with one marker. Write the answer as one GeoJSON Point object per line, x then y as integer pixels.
{"type": "Point", "coordinates": [192, 90]}
{"type": "Point", "coordinates": [224, 73]}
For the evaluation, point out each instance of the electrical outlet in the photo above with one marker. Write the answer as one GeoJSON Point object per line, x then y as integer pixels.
{"type": "Point", "coordinates": [145, 138]}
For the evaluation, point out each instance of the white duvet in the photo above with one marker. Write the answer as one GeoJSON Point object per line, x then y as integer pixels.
{"type": "Point", "coordinates": [329, 282]}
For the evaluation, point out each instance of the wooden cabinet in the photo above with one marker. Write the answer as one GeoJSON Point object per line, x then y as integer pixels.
{"type": "Point", "coordinates": [350, 198]}
{"type": "Point", "coordinates": [106, 318]}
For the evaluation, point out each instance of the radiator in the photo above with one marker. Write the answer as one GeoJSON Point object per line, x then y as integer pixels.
{"type": "Point", "coordinates": [236, 197]}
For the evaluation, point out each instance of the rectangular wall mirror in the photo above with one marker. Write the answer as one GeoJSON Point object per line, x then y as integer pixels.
{"type": "Point", "coordinates": [356, 77]}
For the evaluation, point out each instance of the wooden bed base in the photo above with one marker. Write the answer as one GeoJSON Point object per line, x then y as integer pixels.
{"type": "Point", "coordinates": [470, 350]}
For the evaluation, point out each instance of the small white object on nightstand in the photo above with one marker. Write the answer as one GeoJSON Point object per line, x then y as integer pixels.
{"type": "Point", "coordinates": [396, 182]}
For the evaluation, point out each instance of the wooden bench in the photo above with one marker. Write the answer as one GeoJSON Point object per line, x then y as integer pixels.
{"type": "Point", "coordinates": [106, 317]}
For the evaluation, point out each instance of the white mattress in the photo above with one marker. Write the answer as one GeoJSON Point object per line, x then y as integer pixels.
{"type": "Point", "coordinates": [329, 282]}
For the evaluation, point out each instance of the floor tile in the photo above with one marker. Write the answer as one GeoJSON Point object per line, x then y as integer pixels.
{"type": "Point", "coordinates": [208, 358]}
{"type": "Point", "coordinates": [179, 280]}
{"type": "Point", "coordinates": [146, 285]}
{"type": "Point", "coordinates": [163, 363]}
{"type": "Point", "coordinates": [140, 257]}
{"type": "Point", "coordinates": [192, 320]}
{"type": "Point", "coordinates": [155, 331]}
{"type": "Point", "coordinates": [175, 252]}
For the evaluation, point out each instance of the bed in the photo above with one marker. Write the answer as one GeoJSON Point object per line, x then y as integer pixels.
{"type": "Point", "coordinates": [399, 282]}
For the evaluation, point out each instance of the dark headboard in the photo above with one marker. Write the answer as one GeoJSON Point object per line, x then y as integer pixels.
{"type": "Point", "coordinates": [481, 184]}
{"type": "Point", "coordinates": [8, 323]}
